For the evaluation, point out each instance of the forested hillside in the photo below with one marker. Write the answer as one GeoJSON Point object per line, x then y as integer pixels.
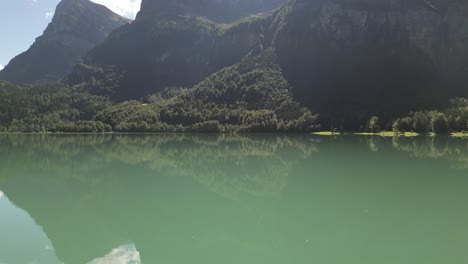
{"type": "Point", "coordinates": [251, 96]}
{"type": "Point", "coordinates": [180, 67]}
{"type": "Point", "coordinates": [157, 52]}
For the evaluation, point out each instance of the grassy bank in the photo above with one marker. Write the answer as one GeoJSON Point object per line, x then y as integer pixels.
{"type": "Point", "coordinates": [326, 133]}
{"type": "Point", "coordinates": [460, 134]}
{"type": "Point", "coordinates": [390, 134]}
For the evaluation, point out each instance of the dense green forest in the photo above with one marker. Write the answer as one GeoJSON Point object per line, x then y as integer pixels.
{"type": "Point", "coordinates": [251, 96]}
{"type": "Point", "coordinates": [262, 103]}
{"type": "Point", "coordinates": [453, 118]}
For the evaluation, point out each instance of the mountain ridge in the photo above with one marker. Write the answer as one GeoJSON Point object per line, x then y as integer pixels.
{"type": "Point", "coordinates": [218, 11]}
{"type": "Point", "coordinates": [77, 26]}
{"type": "Point", "coordinates": [155, 52]}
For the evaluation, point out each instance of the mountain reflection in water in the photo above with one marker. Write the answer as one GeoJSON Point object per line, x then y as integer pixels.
{"type": "Point", "coordinates": [232, 199]}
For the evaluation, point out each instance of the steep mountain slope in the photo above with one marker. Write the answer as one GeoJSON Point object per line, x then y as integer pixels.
{"type": "Point", "coordinates": [220, 11]}
{"type": "Point", "coordinates": [343, 58]}
{"type": "Point", "coordinates": [77, 27]}
{"type": "Point", "coordinates": [353, 58]}
{"type": "Point", "coordinates": [172, 46]}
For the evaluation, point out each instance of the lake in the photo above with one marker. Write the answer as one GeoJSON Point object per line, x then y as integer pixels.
{"type": "Point", "coordinates": [211, 199]}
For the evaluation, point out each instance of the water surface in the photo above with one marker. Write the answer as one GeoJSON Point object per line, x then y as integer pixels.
{"type": "Point", "coordinates": [210, 199]}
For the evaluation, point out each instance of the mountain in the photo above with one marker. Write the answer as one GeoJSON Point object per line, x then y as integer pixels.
{"type": "Point", "coordinates": [304, 65]}
{"type": "Point", "coordinates": [174, 43]}
{"type": "Point", "coordinates": [338, 55]}
{"type": "Point", "coordinates": [77, 27]}
{"type": "Point", "coordinates": [353, 58]}
{"type": "Point", "coordinates": [220, 11]}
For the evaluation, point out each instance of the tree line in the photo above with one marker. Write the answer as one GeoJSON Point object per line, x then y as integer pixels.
{"type": "Point", "coordinates": [454, 118]}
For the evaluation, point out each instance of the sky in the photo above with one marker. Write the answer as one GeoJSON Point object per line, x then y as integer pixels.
{"type": "Point", "coordinates": [25, 20]}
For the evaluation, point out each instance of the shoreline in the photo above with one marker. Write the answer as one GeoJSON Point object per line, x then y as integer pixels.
{"type": "Point", "coordinates": [385, 134]}
{"type": "Point", "coordinates": [390, 134]}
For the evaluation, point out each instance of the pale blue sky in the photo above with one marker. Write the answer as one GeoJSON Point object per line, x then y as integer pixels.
{"type": "Point", "coordinates": [24, 20]}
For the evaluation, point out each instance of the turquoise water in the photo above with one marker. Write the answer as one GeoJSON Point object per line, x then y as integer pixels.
{"type": "Point", "coordinates": [210, 199]}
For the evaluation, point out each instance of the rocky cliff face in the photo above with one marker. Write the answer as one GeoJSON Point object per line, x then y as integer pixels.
{"type": "Point", "coordinates": [163, 49]}
{"type": "Point", "coordinates": [77, 27]}
{"type": "Point", "coordinates": [348, 56]}
{"type": "Point", "coordinates": [343, 58]}
{"type": "Point", "coordinates": [221, 11]}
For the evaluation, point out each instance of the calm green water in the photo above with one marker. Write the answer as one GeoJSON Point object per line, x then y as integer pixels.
{"type": "Point", "coordinates": [211, 199]}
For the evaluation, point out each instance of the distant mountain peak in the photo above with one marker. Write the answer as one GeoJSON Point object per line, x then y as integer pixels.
{"type": "Point", "coordinates": [77, 27]}
{"type": "Point", "coordinates": [78, 6]}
